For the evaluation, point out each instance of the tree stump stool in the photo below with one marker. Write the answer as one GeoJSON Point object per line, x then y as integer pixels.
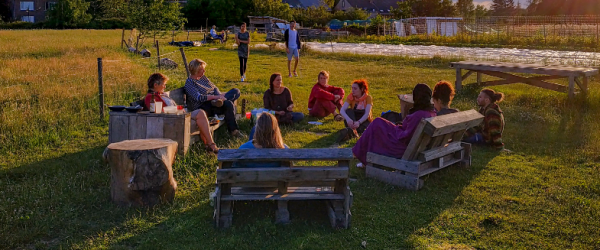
{"type": "Point", "coordinates": [141, 171]}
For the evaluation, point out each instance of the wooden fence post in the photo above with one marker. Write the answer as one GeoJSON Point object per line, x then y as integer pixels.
{"type": "Point", "coordinates": [185, 63]}
{"type": "Point", "coordinates": [122, 38]}
{"type": "Point", "coordinates": [158, 54]}
{"type": "Point", "coordinates": [100, 89]}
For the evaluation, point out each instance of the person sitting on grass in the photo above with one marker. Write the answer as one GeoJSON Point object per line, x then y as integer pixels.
{"type": "Point", "coordinates": [267, 135]}
{"type": "Point", "coordinates": [325, 99]}
{"type": "Point", "coordinates": [356, 111]}
{"type": "Point", "coordinates": [204, 95]}
{"type": "Point", "coordinates": [157, 83]}
{"type": "Point", "coordinates": [385, 138]}
{"type": "Point", "coordinates": [443, 93]}
{"type": "Point", "coordinates": [213, 33]}
{"type": "Point", "coordinates": [489, 132]}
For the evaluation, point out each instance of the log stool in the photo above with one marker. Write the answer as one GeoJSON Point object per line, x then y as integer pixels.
{"type": "Point", "coordinates": [141, 171]}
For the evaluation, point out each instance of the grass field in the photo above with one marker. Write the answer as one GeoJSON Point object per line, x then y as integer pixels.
{"type": "Point", "coordinates": [54, 188]}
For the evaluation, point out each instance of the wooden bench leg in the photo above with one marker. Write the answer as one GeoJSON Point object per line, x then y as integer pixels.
{"type": "Point", "coordinates": [283, 215]}
{"type": "Point", "coordinates": [226, 215]}
{"type": "Point", "coordinates": [335, 210]}
{"type": "Point", "coordinates": [406, 180]}
{"type": "Point", "coordinates": [458, 83]}
{"type": "Point", "coordinates": [466, 155]}
{"type": "Point", "coordinates": [571, 86]}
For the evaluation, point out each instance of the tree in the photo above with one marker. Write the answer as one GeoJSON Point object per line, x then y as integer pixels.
{"type": "Point", "coordinates": [196, 12]}
{"type": "Point", "coordinates": [230, 12]}
{"type": "Point", "coordinates": [351, 14]}
{"type": "Point", "coordinates": [465, 8]}
{"type": "Point", "coordinates": [404, 10]}
{"type": "Point", "coordinates": [503, 7]}
{"type": "Point", "coordinates": [154, 17]}
{"type": "Point", "coordinates": [481, 11]}
{"type": "Point", "coordinates": [312, 16]}
{"type": "Point", "coordinates": [113, 8]}
{"type": "Point", "coordinates": [5, 13]}
{"type": "Point", "coordinates": [446, 9]}
{"type": "Point", "coordinates": [69, 14]}
{"type": "Point", "coordinates": [274, 8]}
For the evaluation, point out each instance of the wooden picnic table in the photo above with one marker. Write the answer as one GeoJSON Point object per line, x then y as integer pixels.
{"type": "Point", "coordinates": [543, 72]}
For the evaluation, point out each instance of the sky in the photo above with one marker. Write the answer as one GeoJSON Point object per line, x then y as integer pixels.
{"type": "Point", "coordinates": [488, 3]}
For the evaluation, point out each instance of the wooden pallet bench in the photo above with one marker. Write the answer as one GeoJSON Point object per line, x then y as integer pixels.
{"type": "Point", "coordinates": [436, 144]}
{"type": "Point", "coordinates": [283, 184]}
{"type": "Point", "coordinates": [145, 125]}
{"type": "Point", "coordinates": [543, 72]}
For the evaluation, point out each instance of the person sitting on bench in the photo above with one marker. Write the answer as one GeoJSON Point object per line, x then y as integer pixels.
{"type": "Point", "coordinates": [443, 93]}
{"type": "Point", "coordinates": [213, 34]}
{"type": "Point", "coordinates": [325, 99]}
{"type": "Point", "coordinates": [207, 100]}
{"type": "Point", "coordinates": [157, 83]}
{"type": "Point", "coordinates": [266, 135]}
{"type": "Point", "coordinates": [489, 132]}
{"type": "Point", "coordinates": [385, 138]}
{"type": "Point", "coordinates": [357, 111]}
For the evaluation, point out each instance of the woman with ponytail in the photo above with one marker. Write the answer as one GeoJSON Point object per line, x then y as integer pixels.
{"type": "Point", "coordinates": [489, 132]}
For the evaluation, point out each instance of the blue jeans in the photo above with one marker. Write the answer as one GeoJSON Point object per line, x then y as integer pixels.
{"type": "Point", "coordinates": [296, 117]}
{"type": "Point", "coordinates": [477, 138]}
{"type": "Point", "coordinates": [227, 109]}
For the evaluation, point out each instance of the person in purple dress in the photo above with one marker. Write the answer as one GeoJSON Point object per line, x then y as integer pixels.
{"type": "Point", "coordinates": [385, 138]}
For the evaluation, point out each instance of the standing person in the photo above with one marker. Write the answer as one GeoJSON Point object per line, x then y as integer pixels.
{"type": "Point", "coordinates": [443, 93]}
{"type": "Point", "coordinates": [385, 138]}
{"type": "Point", "coordinates": [292, 47]}
{"type": "Point", "coordinates": [325, 99]}
{"type": "Point", "coordinates": [357, 111]}
{"type": "Point", "coordinates": [242, 39]}
{"type": "Point", "coordinates": [157, 83]}
{"type": "Point", "coordinates": [489, 132]}
{"type": "Point", "coordinates": [205, 96]}
{"type": "Point", "coordinates": [213, 33]}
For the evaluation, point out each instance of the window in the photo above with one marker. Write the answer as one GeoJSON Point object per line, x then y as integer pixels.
{"type": "Point", "coordinates": [27, 19]}
{"type": "Point", "coordinates": [27, 6]}
{"type": "Point", "coordinates": [50, 5]}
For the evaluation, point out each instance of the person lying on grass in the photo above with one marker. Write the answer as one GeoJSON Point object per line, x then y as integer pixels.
{"type": "Point", "coordinates": [489, 132]}
{"type": "Point", "coordinates": [385, 138]}
{"type": "Point", "coordinates": [325, 99]}
{"type": "Point", "coordinates": [207, 100]}
{"type": "Point", "coordinates": [443, 93]}
{"type": "Point", "coordinates": [357, 111]}
{"type": "Point", "coordinates": [157, 83]}
{"type": "Point", "coordinates": [266, 135]}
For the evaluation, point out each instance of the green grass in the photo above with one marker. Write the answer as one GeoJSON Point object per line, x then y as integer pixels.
{"type": "Point", "coordinates": [54, 188]}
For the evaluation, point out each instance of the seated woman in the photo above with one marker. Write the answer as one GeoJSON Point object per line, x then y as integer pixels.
{"type": "Point", "coordinates": [205, 96]}
{"type": "Point", "coordinates": [279, 99]}
{"type": "Point", "coordinates": [157, 83]}
{"type": "Point", "coordinates": [324, 99]}
{"type": "Point", "coordinates": [489, 132]}
{"type": "Point", "coordinates": [356, 111]}
{"type": "Point", "coordinates": [443, 93]}
{"type": "Point", "coordinates": [267, 135]}
{"type": "Point", "coordinates": [384, 138]}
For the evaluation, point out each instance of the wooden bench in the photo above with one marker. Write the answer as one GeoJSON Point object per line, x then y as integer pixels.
{"type": "Point", "coordinates": [283, 184]}
{"type": "Point", "coordinates": [436, 144]}
{"type": "Point", "coordinates": [500, 69]}
{"type": "Point", "coordinates": [144, 125]}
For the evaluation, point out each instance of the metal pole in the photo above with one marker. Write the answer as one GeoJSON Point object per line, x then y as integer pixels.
{"type": "Point", "coordinates": [187, 70]}
{"type": "Point", "coordinates": [100, 89]}
{"type": "Point", "coordinates": [158, 54]}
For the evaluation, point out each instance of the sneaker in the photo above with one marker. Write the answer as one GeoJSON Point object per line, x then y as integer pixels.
{"type": "Point", "coordinates": [360, 165]}
{"type": "Point", "coordinates": [217, 103]}
{"type": "Point", "coordinates": [295, 74]}
{"type": "Point", "coordinates": [290, 75]}
{"type": "Point", "coordinates": [243, 79]}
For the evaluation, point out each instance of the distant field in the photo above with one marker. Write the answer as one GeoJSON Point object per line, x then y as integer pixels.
{"type": "Point", "coordinates": [54, 189]}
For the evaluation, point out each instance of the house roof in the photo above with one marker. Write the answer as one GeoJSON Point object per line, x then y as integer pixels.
{"type": "Point", "coordinates": [382, 6]}
{"type": "Point", "coordinates": [306, 3]}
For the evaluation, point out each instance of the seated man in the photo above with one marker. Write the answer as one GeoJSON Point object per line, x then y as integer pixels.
{"type": "Point", "coordinates": [489, 132]}
{"type": "Point", "coordinates": [213, 34]}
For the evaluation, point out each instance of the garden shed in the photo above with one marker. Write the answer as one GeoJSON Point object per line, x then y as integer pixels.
{"type": "Point", "coordinates": [444, 26]}
{"type": "Point", "coordinates": [263, 24]}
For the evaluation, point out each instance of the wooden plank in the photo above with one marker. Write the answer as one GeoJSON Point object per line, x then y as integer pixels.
{"type": "Point", "coordinates": [458, 83]}
{"type": "Point", "coordinates": [291, 185]}
{"type": "Point", "coordinates": [448, 160]}
{"type": "Point", "coordinates": [178, 95]}
{"type": "Point", "coordinates": [457, 136]}
{"type": "Point", "coordinates": [530, 81]}
{"type": "Point", "coordinates": [466, 75]}
{"type": "Point", "coordinates": [584, 85]}
{"type": "Point", "coordinates": [502, 82]}
{"type": "Point", "coordinates": [217, 211]}
{"type": "Point", "coordinates": [119, 128]}
{"type": "Point", "coordinates": [561, 70]}
{"type": "Point", "coordinates": [234, 175]}
{"type": "Point", "coordinates": [322, 154]}
{"type": "Point", "coordinates": [435, 142]}
{"type": "Point", "coordinates": [283, 215]}
{"type": "Point", "coordinates": [347, 204]}
{"type": "Point", "coordinates": [286, 197]}
{"type": "Point", "coordinates": [394, 178]}
{"type": "Point", "coordinates": [154, 127]}
{"type": "Point", "coordinates": [174, 129]}
{"type": "Point", "coordinates": [571, 86]}
{"type": "Point", "coordinates": [450, 123]}
{"type": "Point", "coordinates": [275, 190]}
{"type": "Point", "coordinates": [579, 83]}
{"type": "Point", "coordinates": [137, 127]}
{"type": "Point", "coordinates": [390, 162]}
{"type": "Point", "coordinates": [466, 161]}
{"type": "Point", "coordinates": [415, 142]}
{"type": "Point", "coordinates": [438, 152]}
{"type": "Point", "coordinates": [186, 133]}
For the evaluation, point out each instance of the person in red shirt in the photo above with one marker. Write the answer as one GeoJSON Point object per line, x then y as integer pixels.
{"type": "Point", "coordinates": [325, 99]}
{"type": "Point", "coordinates": [157, 83]}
